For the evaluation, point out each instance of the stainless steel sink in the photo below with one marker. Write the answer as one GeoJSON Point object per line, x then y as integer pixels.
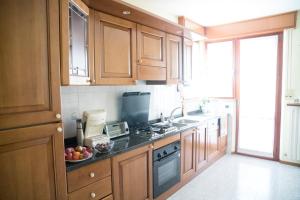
{"type": "Point", "coordinates": [185, 121]}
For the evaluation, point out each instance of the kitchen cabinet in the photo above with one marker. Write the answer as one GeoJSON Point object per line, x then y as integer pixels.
{"type": "Point", "coordinates": [201, 150]}
{"type": "Point", "coordinates": [187, 61]}
{"type": "Point", "coordinates": [90, 181]}
{"type": "Point", "coordinates": [151, 53]}
{"type": "Point", "coordinates": [223, 134]}
{"type": "Point", "coordinates": [212, 139]}
{"type": "Point", "coordinates": [76, 24]}
{"type": "Point", "coordinates": [30, 60]}
{"type": "Point", "coordinates": [32, 163]}
{"type": "Point", "coordinates": [188, 164]}
{"type": "Point", "coordinates": [115, 50]}
{"type": "Point", "coordinates": [174, 58]}
{"type": "Point", "coordinates": [132, 174]}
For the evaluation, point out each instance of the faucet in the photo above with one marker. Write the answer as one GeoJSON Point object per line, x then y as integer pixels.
{"type": "Point", "coordinates": [171, 118]}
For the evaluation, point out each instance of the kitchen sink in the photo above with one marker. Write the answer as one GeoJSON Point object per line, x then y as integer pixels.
{"type": "Point", "coordinates": [185, 121]}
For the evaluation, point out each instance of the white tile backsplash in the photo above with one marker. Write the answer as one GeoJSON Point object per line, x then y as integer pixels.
{"type": "Point", "coordinates": [76, 99]}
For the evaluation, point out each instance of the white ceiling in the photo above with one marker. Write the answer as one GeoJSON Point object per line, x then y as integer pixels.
{"type": "Point", "coordinates": [216, 12]}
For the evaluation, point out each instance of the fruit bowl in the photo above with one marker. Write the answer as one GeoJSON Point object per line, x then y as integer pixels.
{"type": "Point", "coordinates": [78, 154]}
{"type": "Point", "coordinates": [104, 147]}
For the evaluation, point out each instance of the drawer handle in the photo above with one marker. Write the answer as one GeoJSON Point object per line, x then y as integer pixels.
{"type": "Point", "coordinates": [92, 174]}
{"type": "Point", "coordinates": [93, 195]}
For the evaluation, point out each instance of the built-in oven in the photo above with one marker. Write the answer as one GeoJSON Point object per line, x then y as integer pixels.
{"type": "Point", "coordinates": [166, 168]}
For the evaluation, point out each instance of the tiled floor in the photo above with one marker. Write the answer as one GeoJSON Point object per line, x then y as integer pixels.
{"type": "Point", "coordinates": [237, 177]}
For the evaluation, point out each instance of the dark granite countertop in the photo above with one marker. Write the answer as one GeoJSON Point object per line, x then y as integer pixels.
{"type": "Point", "coordinates": [126, 143]}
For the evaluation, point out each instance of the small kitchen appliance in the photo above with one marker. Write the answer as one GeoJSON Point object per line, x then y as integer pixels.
{"type": "Point", "coordinates": [94, 123]}
{"type": "Point", "coordinates": [116, 129]}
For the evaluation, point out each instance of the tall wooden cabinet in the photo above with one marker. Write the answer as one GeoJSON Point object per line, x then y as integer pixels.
{"type": "Point", "coordinates": [188, 165]}
{"type": "Point", "coordinates": [132, 174]}
{"type": "Point", "coordinates": [31, 158]}
{"type": "Point", "coordinates": [151, 53]}
{"type": "Point", "coordinates": [29, 72]}
{"type": "Point", "coordinates": [32, 163]}
{"type": "Point", "coordinates": [115, 50]}
{"type": "Point", "coordinates": [174, 58]}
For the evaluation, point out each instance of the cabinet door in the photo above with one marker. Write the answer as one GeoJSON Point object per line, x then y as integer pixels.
{"type": "Point", "coordinates": [132, 174]}
{"type": "Point", "coordinates": [174, 58]}
{"type": "Point", "coordinates": [188, 141]}
{"type": "Point", "coordinates": [29, 60]}
{"type": "Point", "coordinates": [187, 61]}
{"type": "Point", "coordinates": [115, 50]}
{"type": "Point", "coordinates": [32, 163]}
{"type": "Point", "coordinates": [151, 51]}
{"type": "Point", "coordinates": [77, 48]}
{"type": "Point", "coordinates": [212, 143]}
{"type": "Point", "coordinates": [223, 143]}
{"type": "Point", "coordinates": [201, 156]}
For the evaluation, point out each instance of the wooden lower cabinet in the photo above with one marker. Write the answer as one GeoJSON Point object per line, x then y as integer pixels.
{"type": "Point", "coordinates": [212, 143]}
{"type": "Point", "coordinates": [132, 174]}
{"type": "Point", "coordinates": [223, 143]}
{"type": "Point", "coordinates": [188, 165]}
{"type": "Point", "coordinates": [32, 163]}
{"type": "Point", "coordinates": [201, 150]}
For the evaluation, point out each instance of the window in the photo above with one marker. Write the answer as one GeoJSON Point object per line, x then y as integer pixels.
{"type": "Point", "coordinates": [219, 77]}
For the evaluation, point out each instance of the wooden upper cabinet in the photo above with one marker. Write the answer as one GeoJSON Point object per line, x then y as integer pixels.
{"type": "Point", "coordinates": [188, 166]}
{"type": "Point", "coordinates": [32, 163]}
{"type": "Point", "coordinates": [187, 61]}
{"type": "Point", "coordinates": [151, 52]}
{"type": "Point", "coordinates": [115, 50]}
{"type": "Point", "coordinates": [77, 44]}
{"type": "Point", "coordinates": [29, 60]}
{"type": "Point", "coordinates": [174, 58]}
{"type": "Point", "coordinates": [201, 154]}
{"type": "Point", "coordinates": [132, 174]}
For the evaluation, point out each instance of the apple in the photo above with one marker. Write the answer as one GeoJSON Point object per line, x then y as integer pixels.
{"type": "Point", "coordinates": [69, 156]}
{"type": "Point", "coordinates": [86, 154]}
{"type": "Point", "coordinates": [78, 148]}
{"type": "Point", "coordinates": [69, 150]}
{"type": "Point", "coordinates": [83, 149]}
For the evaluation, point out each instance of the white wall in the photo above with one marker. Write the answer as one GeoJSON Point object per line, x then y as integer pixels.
{"type": "Point", "coordinates": [76, 99]}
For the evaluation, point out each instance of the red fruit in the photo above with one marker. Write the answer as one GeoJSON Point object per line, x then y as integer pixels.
{"type": "Point", "coordinates": [90, 150]}
{"type": "Point", "coordinates": [69, 156]}
{"type": "Point", "coordinates": [83, 149]}
{"type": "Point", "coordinates": [69, 150]}
{"type": "Point", "coordinates": [86, 154]}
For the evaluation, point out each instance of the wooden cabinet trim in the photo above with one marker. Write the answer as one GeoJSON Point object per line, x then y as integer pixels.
{"type": "Point", "coordinates": [115, 78]}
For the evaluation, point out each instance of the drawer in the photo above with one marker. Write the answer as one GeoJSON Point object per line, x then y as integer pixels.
{"type": "Point", "coordinates": [97, 190]}
{"type": "Point", "coordinates": [110, 197]}
{"type": "Point", "coordinates": [88, 174]}
{"type": "Point", "coordinates": [213, 124]}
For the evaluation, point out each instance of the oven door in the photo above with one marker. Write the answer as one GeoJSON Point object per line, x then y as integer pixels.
{"type": "Point", "coordinates": [166, 173]}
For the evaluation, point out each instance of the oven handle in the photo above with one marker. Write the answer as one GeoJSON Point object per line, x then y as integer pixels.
{"type": "Point", "coordinates": [170, 155]}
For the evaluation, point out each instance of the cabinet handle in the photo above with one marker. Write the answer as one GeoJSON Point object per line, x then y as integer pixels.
{"type": "Point", "coordinates": [140, 61]}
{"type": "Point", "coordinates": [91, 81]}
{"type": "Point", "coordinates": [92, 174]}
{"type": "Point", "coordinates": [59, 129]}
{"type": "Point", "coordinates": [93, 195]}
{"type": "Point", "coordinates": [58, 116]}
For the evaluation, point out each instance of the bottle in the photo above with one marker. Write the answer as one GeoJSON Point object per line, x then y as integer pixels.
{"type": "Point", "coordinates": [162, 118]}
{"type": "Point", "coordinates": [79, 132]}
